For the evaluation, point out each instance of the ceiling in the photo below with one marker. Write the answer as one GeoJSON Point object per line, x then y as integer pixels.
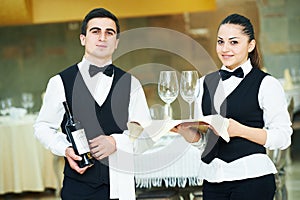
{"type": "Point", "coordinates": [20, 12]}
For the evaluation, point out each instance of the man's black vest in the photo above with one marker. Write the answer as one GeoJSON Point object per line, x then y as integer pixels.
{"type": "Point", "coordinates": [110, 118]}
{"type": "Point", "coordinates": [241, 105]}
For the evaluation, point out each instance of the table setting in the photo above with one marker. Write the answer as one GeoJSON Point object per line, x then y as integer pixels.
{"type": "Point", "coordinates": [26, 165]}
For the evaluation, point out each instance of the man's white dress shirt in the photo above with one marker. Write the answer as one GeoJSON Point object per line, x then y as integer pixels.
{"type": "Point", "coordinates": [47, 125]}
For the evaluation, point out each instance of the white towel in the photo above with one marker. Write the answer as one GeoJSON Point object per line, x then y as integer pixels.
{"type": "Point", "coordinates": [121, 169]}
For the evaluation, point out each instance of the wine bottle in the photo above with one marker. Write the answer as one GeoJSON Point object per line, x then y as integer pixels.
{"type": "Point", "coordinates": [77, 137]}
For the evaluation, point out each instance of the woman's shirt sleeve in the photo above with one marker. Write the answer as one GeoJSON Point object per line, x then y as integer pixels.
{"type": "Point", "coordinates": [273, 102]}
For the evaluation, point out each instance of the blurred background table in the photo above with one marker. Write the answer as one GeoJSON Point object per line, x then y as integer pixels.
{"type": "Point", "coordinates": [25, 164]}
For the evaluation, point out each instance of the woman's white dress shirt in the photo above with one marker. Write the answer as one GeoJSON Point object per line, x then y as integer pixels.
{"type": "Point", "coordinates": [272, 101]}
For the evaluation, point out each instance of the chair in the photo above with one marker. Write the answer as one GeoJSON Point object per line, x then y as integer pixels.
{"type": "Point", "coordinates": [281, 159]}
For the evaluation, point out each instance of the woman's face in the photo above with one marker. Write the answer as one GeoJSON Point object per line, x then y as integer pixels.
{"type": "Point", "coordinates": [233, 45]}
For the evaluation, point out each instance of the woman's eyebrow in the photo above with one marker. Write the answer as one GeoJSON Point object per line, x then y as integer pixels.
{"type": "Point", "coordinates": [231, 38]}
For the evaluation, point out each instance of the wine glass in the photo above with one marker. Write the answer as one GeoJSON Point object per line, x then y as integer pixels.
{"type": "Point", "coordinates": [188, 85]}
{"type": "Point", "coordinates": [3, 108]}
{"type": "Point", "coordinates": [27, 101]}
{"type": "Point", "coordinates": [157, 112]}
{"type": "Point", "coordinates": [168, 88]}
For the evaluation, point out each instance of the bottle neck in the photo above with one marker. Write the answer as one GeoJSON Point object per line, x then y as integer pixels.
{"type": "Point", "coordinates": [68, 113]}
{"type": "Point", "coordinates": [70, 119]}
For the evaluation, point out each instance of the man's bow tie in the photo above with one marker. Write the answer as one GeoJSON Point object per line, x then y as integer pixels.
{"type": "Point", "coordinates": [226, 74]}
{"type": "Point", "coordinates": [107, 70]}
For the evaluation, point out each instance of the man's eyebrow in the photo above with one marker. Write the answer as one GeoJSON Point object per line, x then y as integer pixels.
{"type": "Point", "coordinates": [107, 29]}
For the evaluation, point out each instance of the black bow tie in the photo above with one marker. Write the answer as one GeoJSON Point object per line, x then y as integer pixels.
{"type": "Point", "coordinates": [108, 70]}
{"type": "Point", "coordinates": [226, 74]}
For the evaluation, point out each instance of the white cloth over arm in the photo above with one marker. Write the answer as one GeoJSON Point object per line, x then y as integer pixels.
{"type": "Point", "coordinates": [121, 169]}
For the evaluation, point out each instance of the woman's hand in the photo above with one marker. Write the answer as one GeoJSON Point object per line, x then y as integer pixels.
{"type": "Point", "coordinates": [257, 135]}
{"type": "Point", "coordinates": [235, 129]}
{"type": "Point", "coordinates": [188, 131]}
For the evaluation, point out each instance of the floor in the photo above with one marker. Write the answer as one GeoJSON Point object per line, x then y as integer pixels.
{"type": "Point", "coordinates": [293, 170]}
{"type": "Point", "coordinates": [292, 178]}
{"type": "Point", "coordinates": [292, 182]}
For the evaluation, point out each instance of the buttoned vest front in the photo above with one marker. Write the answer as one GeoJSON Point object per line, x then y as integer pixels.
{"type": "Point", "coordinates": [243, 106]}
{"type": "Point", "coordinates": [97, 120]}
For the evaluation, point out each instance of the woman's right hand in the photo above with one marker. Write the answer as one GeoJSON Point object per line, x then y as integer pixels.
{"type": "Point", "coordinates": [72, 158]}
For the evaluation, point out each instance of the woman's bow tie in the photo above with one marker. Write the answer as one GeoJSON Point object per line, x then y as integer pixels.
{"type": "Point", "coordinates": [226, 74]}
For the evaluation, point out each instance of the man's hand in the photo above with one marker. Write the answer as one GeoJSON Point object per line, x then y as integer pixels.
{"type": "Point", "coordinates": [72, 158]}
{"type": "Point", "coordinates": [102, 146]}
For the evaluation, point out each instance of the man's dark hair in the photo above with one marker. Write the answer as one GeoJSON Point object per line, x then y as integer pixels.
{"type": "Point", "coordinates": [102, 13]}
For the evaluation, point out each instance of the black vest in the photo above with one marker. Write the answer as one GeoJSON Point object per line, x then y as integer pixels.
{"type": "Point", "coordinates": [241, 105]}
{"type": "Point", "coordinates": [110, 118]}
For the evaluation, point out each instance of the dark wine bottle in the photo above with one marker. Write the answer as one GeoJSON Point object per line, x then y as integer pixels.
{"type": "Point", "coordinates": [77, 137]}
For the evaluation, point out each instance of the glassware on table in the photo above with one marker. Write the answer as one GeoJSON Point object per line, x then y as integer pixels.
{"type": "Point", "coordinates": [168, 89]}
{"type": "Point", "coordinates": [188, 85]}
{"type": "Point", "coordinates": [3, 108]}
{"type": "Point", "coordinates": [27, 101]}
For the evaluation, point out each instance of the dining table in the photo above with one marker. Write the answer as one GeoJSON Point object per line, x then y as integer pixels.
{"type": "Point", "coordinates": [25, 164]}
{"type": "Point", "coordinates": [170, 163]}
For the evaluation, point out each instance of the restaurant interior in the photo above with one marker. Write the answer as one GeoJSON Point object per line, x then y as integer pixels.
{"type": "Point", "coordinates": [39, 38]}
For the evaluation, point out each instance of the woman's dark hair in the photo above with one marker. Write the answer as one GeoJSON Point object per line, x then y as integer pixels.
{"type": "Point", "coordinates": [248, 30]}
{"type": "Point", "coordinates": [102, 13]}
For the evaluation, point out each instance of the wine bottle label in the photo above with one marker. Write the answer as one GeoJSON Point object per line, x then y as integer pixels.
{"type": "Point", "coordinates": [81, 141]}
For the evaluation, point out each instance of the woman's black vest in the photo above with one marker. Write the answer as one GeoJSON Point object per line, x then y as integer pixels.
{"type": "Point", "coordinates": [241, 105]}
{"type": "Point", "coordinates": [110, 118]}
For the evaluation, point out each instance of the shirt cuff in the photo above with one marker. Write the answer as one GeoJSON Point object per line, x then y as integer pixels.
{"type": "Point", "coordinates": [60, 148]}
{"type": "Point", "coordinates": [201, 142]}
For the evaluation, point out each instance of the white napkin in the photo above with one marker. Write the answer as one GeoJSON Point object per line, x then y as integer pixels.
{"type": "Point", "coordinates": [158, 128]}
{"type": "Point", "coordinates": [121, 169]}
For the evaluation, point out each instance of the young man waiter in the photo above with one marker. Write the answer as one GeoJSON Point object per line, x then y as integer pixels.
{"type": "Point", "coordinates": [103, 98]}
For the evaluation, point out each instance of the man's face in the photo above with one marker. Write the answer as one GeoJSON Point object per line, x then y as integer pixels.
{"type": "Point", "coordinates": [100, 40]}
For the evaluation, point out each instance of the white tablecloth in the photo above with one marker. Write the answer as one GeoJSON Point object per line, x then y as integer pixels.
{"type": "Point", "coordinates": [25, 165]}
{"type": "Point", "coordinates": [171, 162]}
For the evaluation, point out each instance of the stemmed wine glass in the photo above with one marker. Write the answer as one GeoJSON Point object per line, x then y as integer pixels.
{"type": "Point", "coordinates": [3, 108]}
{"type": "Point", "coordinates": [188, 85]}
{"type": "Point", "coordinates": [27, 101]}
{"type": "Point", "coordinates": [168, 88]}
